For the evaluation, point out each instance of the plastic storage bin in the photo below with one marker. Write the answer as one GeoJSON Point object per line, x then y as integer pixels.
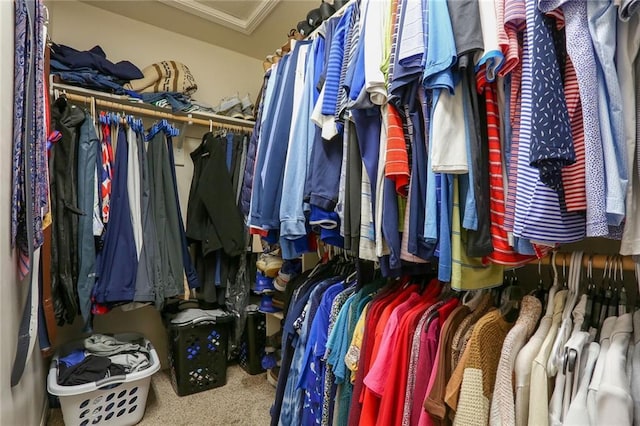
{"type": "Point", "coordinates": [117, 401]}
{"type": "Point", "coordinates": [198, 353]}
{"type": "Point", "coordinates": [253, 341]}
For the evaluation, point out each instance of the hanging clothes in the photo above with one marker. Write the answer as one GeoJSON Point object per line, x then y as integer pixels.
{"type": "Point", "coordinates": [64, 206]}
{"type": "Point", "coordinates": [214, 221]}
{"type": "Point", "coordinates": [117, 284]}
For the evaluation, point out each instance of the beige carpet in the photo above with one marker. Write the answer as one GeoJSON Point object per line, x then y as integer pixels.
{"type": "Point", "coordinates": [245, 400]}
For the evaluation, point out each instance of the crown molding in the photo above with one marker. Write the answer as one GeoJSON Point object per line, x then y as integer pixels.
{"type": "Point", "coordinates": [244, 26]}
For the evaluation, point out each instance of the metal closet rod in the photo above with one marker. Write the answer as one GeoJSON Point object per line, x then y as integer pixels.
{"type": "Point", "coordinates": [116, 106]}
{"type": "Point", "coordinates": [597, 260]}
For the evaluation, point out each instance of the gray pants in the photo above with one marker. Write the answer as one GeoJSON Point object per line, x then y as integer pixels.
{"type": "Point", "coordinates": [165, 214]}
{"type": "Point", "coordinates": [87, 154]}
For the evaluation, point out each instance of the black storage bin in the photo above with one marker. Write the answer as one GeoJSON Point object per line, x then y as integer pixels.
{"type": "Point", "coordinates": [198, 354]}
{"type": "Point", "coordinates": [253, 341]}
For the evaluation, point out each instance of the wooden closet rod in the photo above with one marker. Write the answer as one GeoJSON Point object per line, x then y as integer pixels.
{"type": "Point", "coordinates": [150, 112]}
{"type": "Point", "coordinates": [597, 260]}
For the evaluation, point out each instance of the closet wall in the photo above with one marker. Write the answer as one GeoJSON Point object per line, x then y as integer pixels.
{"type": "Point", "coordinates": [23, 404]}
{"type": "Point", "coordinates": [219, 72]}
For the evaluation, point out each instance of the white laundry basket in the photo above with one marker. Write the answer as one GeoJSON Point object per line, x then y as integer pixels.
{"type": "Point", "coordinates": [117, 401]}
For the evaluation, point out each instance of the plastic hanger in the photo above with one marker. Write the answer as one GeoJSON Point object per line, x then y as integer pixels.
{"type": "Point", "coordinates": [512, 298]}
{"type": "Point", "coordinates": [164, 126]}
{"type": "Point", "coordinates": [598, 299]}
{"type": "Point", "coordinates": [540, 292]}
{"type": "Point", "coordinates": [588, 311]}
{"type": "Point", "coordinates": [612, 310]}
{"type": "Point", "coordinates": [472, 299]}
{"type": "Point", "coordinates": [605, 293]}
{"type": "Point", "coordinates": [621, 290]}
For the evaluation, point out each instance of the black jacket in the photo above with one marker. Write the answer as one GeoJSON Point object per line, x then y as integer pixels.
{"type": "Point", "coordinates": [213, 217]}
{"type": "Point", "coordinates": [64, 209]}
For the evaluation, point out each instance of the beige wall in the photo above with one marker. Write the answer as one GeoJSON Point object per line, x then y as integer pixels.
{"type": "Point", "coordinates": [22, 405]}
{"type": "Point", "coordinates": [219, 72]}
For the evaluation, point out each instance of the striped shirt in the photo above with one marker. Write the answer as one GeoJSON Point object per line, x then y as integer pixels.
{"type": "Point", "coordinates": [580, 50]}
{"type": "Point", "coordinates": [573, 176]}
{"type": "Point", "coordinates": [507, 40]}
{"type": "Point", "coordinates": [538, 215]}
{"type": "Point", "coordinates": [334, 65]}
{"type": "Point", "coordinates": [514, 17]}
{"type": "Point", "coordinates": [350, 49]}
{"type": "Point", "coordinates": [397, 165]}
{"type": "Point", "coordinates": [503, 253]}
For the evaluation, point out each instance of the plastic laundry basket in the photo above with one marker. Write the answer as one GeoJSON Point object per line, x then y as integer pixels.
{"type": "Point", "coordinates": [117, 400]}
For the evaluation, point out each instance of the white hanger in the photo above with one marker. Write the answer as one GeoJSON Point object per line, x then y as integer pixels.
{"type": "Point", "coordinates": [554, 286]}
{"type": "Point", "coordinates": [556, 357]}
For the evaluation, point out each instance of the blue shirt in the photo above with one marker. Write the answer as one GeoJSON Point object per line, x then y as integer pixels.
{"type": "Point", "coordinates": [312, 376]}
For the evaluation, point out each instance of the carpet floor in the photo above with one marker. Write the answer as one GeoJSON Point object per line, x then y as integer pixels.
{"type": "Point", "coordinates": [245, 400]}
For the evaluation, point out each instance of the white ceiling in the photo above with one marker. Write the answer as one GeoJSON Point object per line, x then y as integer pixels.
{"type": "Point", "coordinates": [252, 27]}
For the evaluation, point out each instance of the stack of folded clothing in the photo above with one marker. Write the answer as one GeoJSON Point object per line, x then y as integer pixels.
{"type": "Point", "coordinates": [166, 84]}
{"type": "Point", "coordinates": [170, 84]}
{"type": "Point", "coordinates": [102, 357]}
{"type": "Point", "coordinates": [91, 69]}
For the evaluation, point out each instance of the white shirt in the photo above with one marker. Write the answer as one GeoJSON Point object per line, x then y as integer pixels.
{"type": "Point", "coordinates": [627, 50]}
{"type": "Point", "coordinates": [492, 56]}
{"type": "Point", "coordinates": [557, 352]}
{"type": "Point", "coordinates": [605, 335]}
{"type": "Point", "coordinates": [448, 142]}
{"type": "Point", "coordinates": [614, 401]}
{"type": "Point", "coordinates": [635, 377]}
{"type": "Point", "coordinates": [539, 394]}
{"type": "Point", "coordinates": [373, 25]}
{"type": "Point", "coordinates": [134, 192]}
{"type": "Point", "coordinates": [578, 414]}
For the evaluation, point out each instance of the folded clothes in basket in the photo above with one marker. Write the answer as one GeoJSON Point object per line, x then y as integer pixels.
{"type": "Point", "coordinates": [132, 361]}
{"type": "Point", "coordinates": [91, 369]}
{"type": "Point", "coordinates": [100, 344]}
{"type": "Point", "coordinates": [102, 357]}
{"type": "Point", "coordinates": [194, 315]}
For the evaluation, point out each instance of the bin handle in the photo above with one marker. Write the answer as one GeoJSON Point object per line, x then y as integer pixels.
{"type": "Point", "coordinates": [120, 378]}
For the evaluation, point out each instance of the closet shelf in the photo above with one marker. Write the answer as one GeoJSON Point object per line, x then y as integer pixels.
{"type": "Point", "coordinates": [129, 105]}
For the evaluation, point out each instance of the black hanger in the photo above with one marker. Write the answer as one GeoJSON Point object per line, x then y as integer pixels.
{"type": "Point", "coordinates": [540, 292]}
{"type": "Point", "coordinates": [615, 288]}
{"type": "Point", "coordinates": [605, 295]}
{"type": "Point", "coordinates": [623, 300]}
{"type": "Point", "coordinates": [590, 292]}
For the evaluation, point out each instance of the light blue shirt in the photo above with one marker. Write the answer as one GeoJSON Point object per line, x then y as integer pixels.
{"type": "Point", "coordinates": [441, 56]}
{"type": "Point", "coordinates": [603, 19]}
{"type": "Point", "coordinates": [265, 126]}
{"type": "Point", "coordinates": [292, 217]}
